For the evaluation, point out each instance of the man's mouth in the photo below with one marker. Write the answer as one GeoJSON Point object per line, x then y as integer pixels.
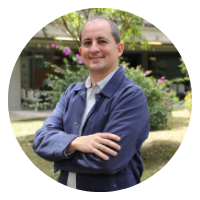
{"type": "Point", "coordinates": [96, 58]}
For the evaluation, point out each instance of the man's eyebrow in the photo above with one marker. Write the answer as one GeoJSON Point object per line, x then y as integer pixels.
{"type": "Point", "coordinates": [97, 38]}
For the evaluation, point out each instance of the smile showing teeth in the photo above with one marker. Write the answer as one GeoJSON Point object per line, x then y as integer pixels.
{"type": "Point", "coordinates": [96, 58]}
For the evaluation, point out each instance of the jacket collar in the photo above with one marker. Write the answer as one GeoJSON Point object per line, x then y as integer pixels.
{"type": "Point", "coordinates": [110, 87]}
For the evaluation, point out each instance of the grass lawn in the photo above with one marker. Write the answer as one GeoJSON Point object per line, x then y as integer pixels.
{"type": "Point", "coordinates": [156, 151]}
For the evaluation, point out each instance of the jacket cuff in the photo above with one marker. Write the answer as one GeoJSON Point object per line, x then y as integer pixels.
{"type": "Point", "coordinates": [68, 155]}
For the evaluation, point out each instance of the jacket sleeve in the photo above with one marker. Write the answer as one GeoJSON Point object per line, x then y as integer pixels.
{"type": "Point", "coordinates": [51, 140]}
{"type": "Point", "coordinates": [130, 120]}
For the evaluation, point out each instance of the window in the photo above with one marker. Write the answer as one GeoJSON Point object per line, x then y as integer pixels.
{"type": "Point", "coordinates": [40, 58]}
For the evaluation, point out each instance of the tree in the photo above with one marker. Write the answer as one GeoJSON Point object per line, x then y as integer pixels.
{"type": "Point", "coordinates": [184, 70]}
{"type": "Point", "coordinates": [128, 24]}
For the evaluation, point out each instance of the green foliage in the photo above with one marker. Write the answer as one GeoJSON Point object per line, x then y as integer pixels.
{"type": "Point", "coordinates": [188, 101]}
{"type": "Point", "coordinates": [160, 99]}
{"type": "Point", "coordinates": [73, 71]}
{"type": "Point", "coordinates": [128, 24]}
{"type": "Point", "coordinates": [184, 71]}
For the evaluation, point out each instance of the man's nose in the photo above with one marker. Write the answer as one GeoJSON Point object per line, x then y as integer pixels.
{"type": "Point", "coordinates": [94, 48]}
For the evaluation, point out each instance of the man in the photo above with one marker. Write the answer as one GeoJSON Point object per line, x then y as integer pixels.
{"type": "Point", "coordinates": [95, 133]}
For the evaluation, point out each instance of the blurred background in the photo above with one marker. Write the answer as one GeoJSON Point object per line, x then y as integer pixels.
{"type": "Point", "coordinates": [145, 45]}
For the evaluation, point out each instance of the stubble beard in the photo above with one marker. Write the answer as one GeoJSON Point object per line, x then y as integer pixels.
{"type": "Point", "coordinates": [97, 69]}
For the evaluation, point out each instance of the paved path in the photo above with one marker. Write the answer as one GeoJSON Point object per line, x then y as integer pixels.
{"type": "Point", "coordinates": [29, 114]}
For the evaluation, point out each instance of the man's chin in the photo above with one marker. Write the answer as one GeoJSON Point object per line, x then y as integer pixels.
{"type": "Point", "coordinates": [96, 67]}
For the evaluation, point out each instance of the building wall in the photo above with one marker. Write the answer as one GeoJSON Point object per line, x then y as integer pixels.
{"type": "Point", "coordinates": [14, 93]}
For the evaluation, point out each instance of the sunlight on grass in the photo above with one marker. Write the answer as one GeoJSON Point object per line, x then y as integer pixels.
{"type": "Point", "coordinates": [161, 145]}
{"type": "Point", "coordinates": [24, 128]}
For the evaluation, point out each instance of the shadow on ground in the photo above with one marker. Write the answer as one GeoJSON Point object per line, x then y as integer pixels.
{"type": "Point", "coordinates": [156, 154]}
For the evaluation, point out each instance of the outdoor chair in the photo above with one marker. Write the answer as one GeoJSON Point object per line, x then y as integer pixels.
{"type": "Point", "coordinates": [23, 94]}
{"type": "Point", "coordinates": [29, 97]}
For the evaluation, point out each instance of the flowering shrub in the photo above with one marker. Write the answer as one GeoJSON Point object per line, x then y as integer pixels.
{"type": "Point", "coordinates": [73, 71]}
{"type": "Point", "coordinates": [160, 100]}
{"type": "Point", "coordinates": [188, 100]}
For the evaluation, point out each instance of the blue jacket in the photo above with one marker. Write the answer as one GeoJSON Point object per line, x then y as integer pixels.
{"type": "Point", "coordinates": [121, 108]}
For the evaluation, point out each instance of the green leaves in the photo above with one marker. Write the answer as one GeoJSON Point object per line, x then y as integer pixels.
{"type": "Point", "coordinates": [160, 99]}
{"type": "Point", "coordinates": [129, 25]}
{"type": "Point", "coordinates": [184, 69]}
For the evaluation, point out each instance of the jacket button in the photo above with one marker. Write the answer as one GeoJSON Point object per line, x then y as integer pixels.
{"type": "Point", "coordinates": [75, 123]}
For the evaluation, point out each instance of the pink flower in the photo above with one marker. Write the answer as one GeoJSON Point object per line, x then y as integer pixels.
{"type": "Point", "coordinates": [159, 80]}
{"type": "Point", "coordinates": [154, 117]}
{"type": "Point", "coordinates": [68, 49]}
{"type": "Point", "coordinates": [147, 72]}
{"type": "Point", "coordinates": [80, 60]}
{"type": "Point", "coordinates": [66, 53]}
{"type": "Point", "coordinates": [169, 104]}
{"type": "Point", "coordinates": [77, 55]}
{"type": "Point", "coordinates": [53, 45]}
{"type": "Point", "coordinates": [127, 67]}
{"type": "Point", "coordinates": [57, 46]}
{"type": "Point", "coordinates": [167, 93]}
{"type": "Point", "coordinates": [165, 101]}
{"type": "Point", "coordinates": [59, 68]}
{"type": "Point", "coordinates": [139, 69]}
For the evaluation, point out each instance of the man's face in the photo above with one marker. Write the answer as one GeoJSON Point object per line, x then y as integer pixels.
{"type": "Point", "coordinates": [98, 48]}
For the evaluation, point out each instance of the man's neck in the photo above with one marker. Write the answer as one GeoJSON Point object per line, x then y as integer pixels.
{"type": "Point", "coordinates": [97, 77]}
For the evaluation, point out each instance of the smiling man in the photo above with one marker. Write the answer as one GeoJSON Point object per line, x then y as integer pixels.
{"type": "Point", "coordinates": [99, 50]}
{"type": "Point", "coordinates": [95, 133]}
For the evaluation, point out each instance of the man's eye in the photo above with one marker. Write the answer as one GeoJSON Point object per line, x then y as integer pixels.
{"type": "Point", "coordinates": [102, 41]}
{"type": "Point", "coordinates": [87, 43]}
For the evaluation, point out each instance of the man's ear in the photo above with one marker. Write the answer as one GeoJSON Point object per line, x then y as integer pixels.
{"type": "Point", "coordinates": [120, 49]}
{"type": "Point", "coordinates": [80, 50]}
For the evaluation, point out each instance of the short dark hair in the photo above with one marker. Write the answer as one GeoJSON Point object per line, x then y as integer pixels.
{"type": "Point", "coordinates": [114, 29]}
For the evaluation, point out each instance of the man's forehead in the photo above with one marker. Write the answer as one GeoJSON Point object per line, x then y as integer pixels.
{"type": "Point", "coordinates": [96, 23]}
{"type": "Point", "coordinates": [99, 26]}
{"type": "Point", "coordinates": [97, 20]}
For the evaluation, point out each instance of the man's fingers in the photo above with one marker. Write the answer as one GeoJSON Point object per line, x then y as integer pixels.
{"type": "Point", "coordinates": [100, 154]}
{"type": "Point", "coordinates": [107, 150]}
{"type": "Point", "coordinates": [110, 143]}
{"type": "Point", "coordinates": [110, 136]}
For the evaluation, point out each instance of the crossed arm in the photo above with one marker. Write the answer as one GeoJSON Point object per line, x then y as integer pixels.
{"type": "Point", "coordinates": [94, 143]}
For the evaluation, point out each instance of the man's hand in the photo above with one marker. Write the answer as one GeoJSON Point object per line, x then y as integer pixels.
{"type": "Point", "coordinates": [95, 144]}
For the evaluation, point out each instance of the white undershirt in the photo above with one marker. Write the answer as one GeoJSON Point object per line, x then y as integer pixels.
{"type": "Point", "coordinates": [90, 101]}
